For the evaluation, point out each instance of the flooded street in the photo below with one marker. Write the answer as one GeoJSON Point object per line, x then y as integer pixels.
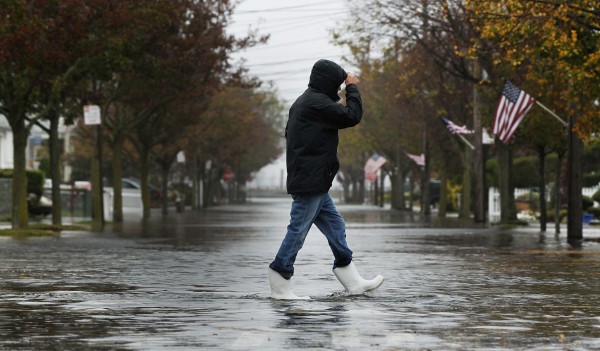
{"type": "Point", "coordinates": [198, 281]}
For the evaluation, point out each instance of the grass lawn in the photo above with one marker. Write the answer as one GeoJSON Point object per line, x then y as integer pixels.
{"type": "Point", "coordinates": [41, 230]}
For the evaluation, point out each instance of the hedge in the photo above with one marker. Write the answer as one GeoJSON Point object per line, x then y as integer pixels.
{"type": "Point", "coordinates": [35, 180]}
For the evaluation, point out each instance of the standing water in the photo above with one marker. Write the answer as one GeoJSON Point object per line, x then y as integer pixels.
{"type": "Point", "coordinates": [198, 281]}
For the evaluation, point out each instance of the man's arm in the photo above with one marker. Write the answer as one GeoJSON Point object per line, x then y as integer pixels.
{"type": "Point", "coordinates": [339, 116]}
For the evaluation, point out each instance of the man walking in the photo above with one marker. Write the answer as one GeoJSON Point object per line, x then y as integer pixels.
{"type": "Point", "coordinates": [312, 140]}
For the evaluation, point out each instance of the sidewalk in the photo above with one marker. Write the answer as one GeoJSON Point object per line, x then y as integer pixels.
{"type": "Point", "coordinates": [198, 281]}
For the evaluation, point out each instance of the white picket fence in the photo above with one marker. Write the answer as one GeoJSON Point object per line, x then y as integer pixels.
{"type": "Point", "coordinates": [494, 199]}
{"type": "Point", "coordinates": [132, 203]}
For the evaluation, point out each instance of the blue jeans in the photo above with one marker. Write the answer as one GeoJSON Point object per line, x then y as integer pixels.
{"type": "Point", "coordinates": [306, 210]}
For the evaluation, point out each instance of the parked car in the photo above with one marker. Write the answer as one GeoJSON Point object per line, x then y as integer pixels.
{"type": "Point", "coordinates": [155, 193]}
{"type": "Point", "coordinates": [38, 206]}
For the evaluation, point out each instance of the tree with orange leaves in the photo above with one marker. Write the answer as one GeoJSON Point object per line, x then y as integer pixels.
{"type": "Point", "coordinates": [550, 45]}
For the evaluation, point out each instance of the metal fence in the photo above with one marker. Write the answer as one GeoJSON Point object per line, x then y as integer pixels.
{"type": "Point", "coordinates": [5, 197]}
{"type": "Point", "coordinates": [494, 199]}
{"type": "Point", "coordinates": [77, 202]}
{"type": "Point", "coordinates": [132, 203]}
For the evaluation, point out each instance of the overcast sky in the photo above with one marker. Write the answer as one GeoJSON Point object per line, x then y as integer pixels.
{"type": "Point", "coordinates": [299, 35]}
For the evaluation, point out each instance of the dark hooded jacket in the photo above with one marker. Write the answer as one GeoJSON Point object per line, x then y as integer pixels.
{"type": "Point", "coordinates": [312, 129]}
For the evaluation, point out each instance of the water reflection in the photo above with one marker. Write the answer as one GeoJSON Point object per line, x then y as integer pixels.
{"type": "Point", "coordinates": [307, 319]}
{"type": "Point", "coordinates": [305, 322]}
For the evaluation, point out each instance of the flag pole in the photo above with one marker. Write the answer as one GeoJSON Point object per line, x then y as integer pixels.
{"type": "Point", "coordinates": [466, 141]}
{"type": "Point", "coordinates": [552, 113]}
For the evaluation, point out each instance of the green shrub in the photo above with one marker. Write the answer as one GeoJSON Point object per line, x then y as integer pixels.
{"type": "Point", "coordinates": [525, 172]}
{"type": "Point", "coordinates": [595, 211]}
{"type": "Point", "coordinates": [35, 180]}
{"type": "Point", "coordinates": [596, 196]}
{"type": "Point", "coordinates": [44, 165]}
{"type": "Point", "coordinates": [6, 173]}
{"type": "Point", "coordinates": [491, 172]}
{"type": "Point", "coordinates": [563, 214]}
{"type": "Point", "coordinates": [590, 179]}
{"type": "Point", "coordinates": [587, 202]}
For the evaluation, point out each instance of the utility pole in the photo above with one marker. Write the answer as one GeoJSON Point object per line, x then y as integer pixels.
{"type": "Point", "coordinates": [91, 116]}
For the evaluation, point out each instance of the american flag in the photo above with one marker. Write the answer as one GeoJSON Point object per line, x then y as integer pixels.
{"type": "Point", "coordinates": [374, 163]}
{"type": "Point", "coordinates": [512, 107]}
{"type": "Point", "coordinates": [419, 159]}
{"type": "Point", "coordinates": [454, 128]}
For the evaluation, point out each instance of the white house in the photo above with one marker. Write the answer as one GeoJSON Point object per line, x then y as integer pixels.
{"type": "Point", "coordinates": [35, 141]}
{"type": "Point", "coordinates": [6, 144]}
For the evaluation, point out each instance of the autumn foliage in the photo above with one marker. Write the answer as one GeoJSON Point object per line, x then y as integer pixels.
{"type": "Point", "coordinates": [145, 62]}
{"type": "Point", "coordinates": [428, 58]}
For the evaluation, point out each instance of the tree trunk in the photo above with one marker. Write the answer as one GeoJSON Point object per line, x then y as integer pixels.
{"type": "Point", "coordinates": [144, 174]}
{"type": "Point", "coordinates": [443, 202]}
{"type": "Point", "coordinates": [575, 214]}
{"type": "Point", "coordinates": [195, 183]}
{"type": "Point", "coordinates": [425, 175]}
{"type": "Point", "coordinates": [375, 187]}
{"type": "Point", "coordinates": [96, 180]}
{"type": "Point", "coordinates": [117, 175]}
{"type": "Point", "coordinates": [242, 193]}
{"type": "Point", "coordinates": [164, 186]}
{"type": "Point", "coordinates": [361, 188]}
{"type": "Point", "coordinates": [230, 192]}
{"type": "Point", "coordinates": [164, 168]}
{"type": "Point", "coordinates": [479, 208]}
{"type": "Point", "coordinates": [557, 197]}
{"type": "Point", "coordinates": [508, 211]}
{"type": "Point", "coordinates": [398, 190]}
{"type": "Point", "coordinates": [206, 185]}
{"type": "Point", "coordinates": [55, 175]}
{"type": "Point", "coordinates": [465, 207]}
{"type": "Point", "coordinates": [382, 190]}
{"type": "Point", "coordinates": [411, 192]}
{"type": "Point", "coordinates": [346, 189]}
{"type": "Point", "coordinates": [542, 187]}
{"type": "Point", "coordinates": [20, 216]}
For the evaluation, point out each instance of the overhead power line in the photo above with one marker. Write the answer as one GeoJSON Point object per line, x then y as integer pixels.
{"type": "Point", "coordinates": [299, 38]}
{"type": "Point", "coordinates": [284, 8]}
{"type": "Point", "coordinates": [268, 26]}
{"type": "Point", "coordinates": [292, 61]}
{"type": "Point", "coordinates": [262, 47]}
{"type": "Point", "coordinates": [311, 12]}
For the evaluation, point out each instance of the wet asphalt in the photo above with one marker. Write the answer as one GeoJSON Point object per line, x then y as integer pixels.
{"type": "Point", "coordinates": [198, 281]}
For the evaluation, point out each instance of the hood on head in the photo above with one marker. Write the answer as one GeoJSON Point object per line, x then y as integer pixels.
{"type": "Point", "coordinates": [327, 76]}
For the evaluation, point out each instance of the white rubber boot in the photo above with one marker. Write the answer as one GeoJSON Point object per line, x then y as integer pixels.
{"type": "Point", "coordinates": [353, 282]}
{"type": "Point", "coordinates": [280, 288]}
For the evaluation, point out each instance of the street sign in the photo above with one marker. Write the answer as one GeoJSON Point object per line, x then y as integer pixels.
{"type": "Point", "coordinates": [91, 115]}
